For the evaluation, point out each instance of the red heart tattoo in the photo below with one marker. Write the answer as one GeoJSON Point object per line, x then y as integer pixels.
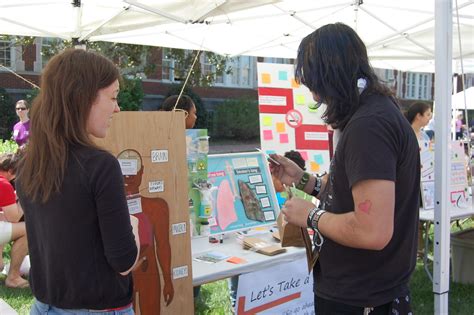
{"type": "Point", "coordinates": [365, 206]}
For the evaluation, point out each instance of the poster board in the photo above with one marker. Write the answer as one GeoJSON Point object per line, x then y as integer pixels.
{"type": "Point", "coordinates": [197, 149]}
{"type": "Point", "coordinates": [282, 289]}
{"type": "Point", "coordinates": [458, 183]}
{"type": "Point", "coordinates": [243, 192]}
{"type": "Point", "coordinates": [151, 150]}
{"type": "Point", "coordinates": [289, 117]}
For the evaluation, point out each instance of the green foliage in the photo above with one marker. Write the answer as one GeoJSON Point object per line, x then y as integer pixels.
{"type": "Point", "coordinates": [7, 112]}
{"type": "Point", "coordinates": [131, 94]}
{"type": "Point", "coordinates": [131, 59]}
{"type": "Point", "coordinates": [214, 298]}
{"type": "Point", "coordinates": [30, 97]}
{"type": "Point", "coordinates": [8, 146]}
{"type": "Point", "coordinates": [237, 119]}
{"type": "Point", "coordinates": [202, 115]}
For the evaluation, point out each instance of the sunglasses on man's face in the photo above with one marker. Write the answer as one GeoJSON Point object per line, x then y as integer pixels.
{"type": "Point", "coordinates": [21, 108]}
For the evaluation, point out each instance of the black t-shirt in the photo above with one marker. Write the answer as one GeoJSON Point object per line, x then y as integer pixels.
{"type": "Point", "coordinates": [377, 143]}
{"type": "Point", "coordinates": [81, 238]}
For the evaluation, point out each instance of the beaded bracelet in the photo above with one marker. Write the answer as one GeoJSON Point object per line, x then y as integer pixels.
{"type": "Point", "coordinates": [303, 181]}
{"type": "Point", "coordinates": [311, 214]}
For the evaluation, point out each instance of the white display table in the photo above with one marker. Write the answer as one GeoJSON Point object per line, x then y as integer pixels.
{"type": "Point", "coordinates": [208, 272]}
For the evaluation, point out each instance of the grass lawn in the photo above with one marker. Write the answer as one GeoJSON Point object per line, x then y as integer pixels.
{"type": "Point", "coordinates": [214, 297]}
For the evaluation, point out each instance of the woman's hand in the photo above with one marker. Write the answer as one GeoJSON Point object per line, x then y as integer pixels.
{"type": "Point", "coordinates": [287, 172]}
{"type": "Point", "coordinates": [296, 211]}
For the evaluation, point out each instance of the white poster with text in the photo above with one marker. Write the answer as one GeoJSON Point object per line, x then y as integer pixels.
{"type": "Point", "coordinates": [282, 289]}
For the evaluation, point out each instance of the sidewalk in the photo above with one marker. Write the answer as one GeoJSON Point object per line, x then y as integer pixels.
{"type": "Point", "coordinates": [231, 147]}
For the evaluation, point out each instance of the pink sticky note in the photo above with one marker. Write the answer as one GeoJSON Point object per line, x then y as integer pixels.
{"type": "Point", "coordinates": [283, 138]}
{"type": "Point", "coordinates": [267, 135]}
{"type": "Point", "coordinates": [304, 155]}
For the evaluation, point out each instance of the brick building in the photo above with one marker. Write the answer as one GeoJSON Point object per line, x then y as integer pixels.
{"type": "Point", "coordinates": [242, 82]}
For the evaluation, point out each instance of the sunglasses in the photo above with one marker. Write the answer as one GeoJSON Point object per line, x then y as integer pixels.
{"type": "Point", "coordinates": [21, 108]}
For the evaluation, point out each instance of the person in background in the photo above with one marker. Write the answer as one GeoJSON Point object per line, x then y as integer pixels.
{"type": "Point", "coordinates": [367, 218]}
{"type": "Point", "coordinates": [82, 241]}
{"type": "Point", "coordinates": [459, 126]}
{"type": "Point", "coordinates": [419, 115]}
{"type": "Point", "coordinates": [21, 130]}
{"type": "Point", "coordinates": [185, 104]}
{"type": "Point", "coordinates": [10, 227]}
{"type": "Point", "coordinates": [430, 128]}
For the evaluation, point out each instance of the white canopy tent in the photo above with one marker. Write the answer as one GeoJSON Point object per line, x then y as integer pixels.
{"type": "Point", "coordinates": [464, 99]}
{"type": "Point", "coordinates": [403, 34]}
{"type": "Point", "coordinates": [399, 34]}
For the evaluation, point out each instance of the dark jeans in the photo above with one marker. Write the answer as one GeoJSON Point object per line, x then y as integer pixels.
{"type": "Point", "coordinates": [399, 306]}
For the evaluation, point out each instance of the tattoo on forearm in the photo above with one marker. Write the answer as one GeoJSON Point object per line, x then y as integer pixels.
{"type": "Point", "coordinates": [365, 206]}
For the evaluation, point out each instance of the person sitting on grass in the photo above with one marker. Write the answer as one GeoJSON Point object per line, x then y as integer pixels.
{"type": "Point", "coordinates": [10, 227]}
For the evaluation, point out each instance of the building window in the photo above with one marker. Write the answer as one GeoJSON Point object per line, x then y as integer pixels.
{"type": "Point", "coordinates": [6, 55]}
{"type": "Point", "coordinates": [235, 76]}
{"type": "Point", "coordinates": [171, 69]}
{"type": "Point", "coordinates": [417, 86]}
{"type": "Point", "coordinates": [245, 69]}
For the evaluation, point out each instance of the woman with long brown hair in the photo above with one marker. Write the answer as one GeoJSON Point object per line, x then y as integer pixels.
{"type": "Point", "coordinates": [82, 241]}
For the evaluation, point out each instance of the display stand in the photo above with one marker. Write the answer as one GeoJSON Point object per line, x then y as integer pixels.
{"type": "Point", "coordinates": [151, 148]}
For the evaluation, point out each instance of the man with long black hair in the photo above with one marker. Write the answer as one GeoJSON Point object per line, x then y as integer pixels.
{"type": "Point", "coordinates": [366, 222]}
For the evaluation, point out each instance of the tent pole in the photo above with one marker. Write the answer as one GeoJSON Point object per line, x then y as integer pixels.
{"type": "Point", "coordinates": [443, 88]}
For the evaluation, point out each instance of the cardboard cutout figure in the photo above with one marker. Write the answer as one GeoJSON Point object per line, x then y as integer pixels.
{"type": "Point", "coordinates": [153, 216]}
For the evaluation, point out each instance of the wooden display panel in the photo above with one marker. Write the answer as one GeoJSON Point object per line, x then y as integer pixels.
{"type": "Point", "coordinates": [156, 142]}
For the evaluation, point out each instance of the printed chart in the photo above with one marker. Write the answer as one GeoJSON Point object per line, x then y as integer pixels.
{"type": "Point", "coordinates": [243, 195]}
{"type": "Point", "coordinates": [289, 117]}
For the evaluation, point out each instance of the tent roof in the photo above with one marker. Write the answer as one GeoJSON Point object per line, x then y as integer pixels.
{"type": "Point", "coordinates": [398, 34]}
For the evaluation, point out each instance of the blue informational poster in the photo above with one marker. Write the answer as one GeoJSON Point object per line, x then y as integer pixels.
{"type": "Point", "coordinates": [197, 148]}
{"type": "Point", "coordinates": [242, 192]}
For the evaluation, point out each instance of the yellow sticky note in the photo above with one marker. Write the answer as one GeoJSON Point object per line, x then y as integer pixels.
{"type": "Point", "coordinates": [314, 166]}
{"type": "Point", "coordinates": [267, 120]}
{"type": "Point", "coordinates": [294, 84]}
{"type": "Point", "coordinates": [280, 126]}
{"type": "Point", "coordinates": [266, 78]}
{"type": "Point", "coordinates": [300, 100]}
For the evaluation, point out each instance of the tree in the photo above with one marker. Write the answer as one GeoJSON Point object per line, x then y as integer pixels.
{"type": "Point", "coordinates": [238, 119]}
{"type": "Point", "coordinates": [131, 94]}
{"type": "Point", "coordinates": [7, 112]}
{"type": "Point", "coordinates": [131, 59]}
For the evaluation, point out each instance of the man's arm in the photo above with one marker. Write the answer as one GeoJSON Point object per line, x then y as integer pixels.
{"type": "Point", "coordinates": [370, 225]}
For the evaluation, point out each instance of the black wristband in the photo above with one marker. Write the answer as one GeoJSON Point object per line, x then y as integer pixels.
{"type": "Point", "coordinates": [317, 185]}
{"type": "Point", "coordinates": [316, 217]}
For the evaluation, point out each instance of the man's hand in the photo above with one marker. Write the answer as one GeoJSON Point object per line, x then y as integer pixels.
{"type": "Point", "coordinates": [288, 172]}
{"type": "Point", "coordinates": [296, 211]}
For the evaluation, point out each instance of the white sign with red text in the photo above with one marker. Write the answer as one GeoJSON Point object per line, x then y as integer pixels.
{"type": "Point", "coordinates": [282, 289]}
